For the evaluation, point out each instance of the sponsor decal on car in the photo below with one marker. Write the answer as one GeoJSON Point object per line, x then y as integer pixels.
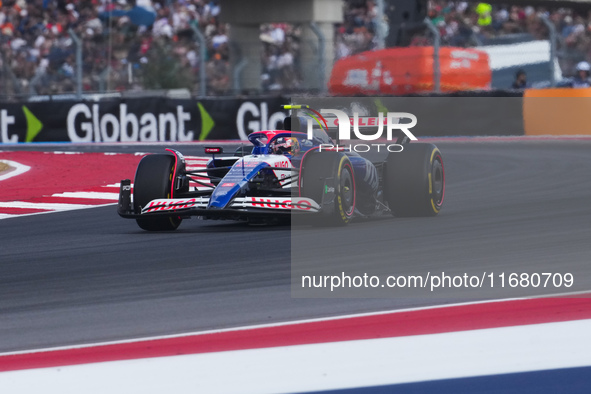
{"type": "Point", "coordinates": [174, 204]}
{"type": "Point", "coordinates": [282, 164]}
{"type": "Point", "coordinates": [281, 203]}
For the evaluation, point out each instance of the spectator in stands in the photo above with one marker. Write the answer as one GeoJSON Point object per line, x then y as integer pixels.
{"type": "Point", "coordinates": [118, 53]}
{"type": "Point", "coordinates": [581, 79]}
{"type": "Point", "coordinates": [357, 33]}
{"type": "Point", "coordinates": [279, 57]}
{"type": "Point", "coordinates": [520, 81]}
{"type": "Point", "coordinates": [484, 11]}
{"type": "Point", "coordinates": [218, 75]}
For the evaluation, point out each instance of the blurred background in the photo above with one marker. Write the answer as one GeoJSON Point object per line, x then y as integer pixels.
{"type": "Point", "coordinates": [230, 47]}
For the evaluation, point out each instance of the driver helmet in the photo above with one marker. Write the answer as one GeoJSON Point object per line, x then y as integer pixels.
{"type": "Point", "coordinates": [584, 66]}
{"type": "Point", "coordinates": [285, 145]}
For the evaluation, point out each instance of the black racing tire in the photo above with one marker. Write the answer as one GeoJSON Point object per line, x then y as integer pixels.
{"type": "Point", "coordinates": [414, 181]}
{"type": "Point", "coordinates": [153, 179]}
{"type": "Point", "coordinates": [321, 165]}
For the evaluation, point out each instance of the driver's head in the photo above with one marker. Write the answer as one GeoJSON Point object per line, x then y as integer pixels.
{"type": "Point", "coordinates": [583, 69]}
{"type": "Point", "coordinates": [286, 146]}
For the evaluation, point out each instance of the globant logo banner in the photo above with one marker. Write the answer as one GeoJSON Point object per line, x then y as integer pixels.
{"type": "Point", "coordinates": [88, 124]}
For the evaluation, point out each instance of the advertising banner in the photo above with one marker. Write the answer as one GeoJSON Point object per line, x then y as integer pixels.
{"type": "Point", "coordinates": [399, 71]}
{"type": "Point", "coordinates": [153, 119]}
{"type": "Point", "coordinates": [558, 111]}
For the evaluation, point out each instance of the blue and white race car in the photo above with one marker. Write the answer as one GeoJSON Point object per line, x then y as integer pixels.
{"type": "Point", "coordinates": [286, 173]}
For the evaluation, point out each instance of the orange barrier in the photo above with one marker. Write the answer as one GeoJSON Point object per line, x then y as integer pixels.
{"type": "Point", "coordinates": [558, 111]}
{"type": "Point", "coordinates": [410, 70]}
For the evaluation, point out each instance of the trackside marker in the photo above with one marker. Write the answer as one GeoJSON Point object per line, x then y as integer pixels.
{"type": "Point", "coordinates": [93, 195]}
{"type": "Point", "coordinates": [47, 206]}
{"type": "Point", "coordinates": [18, 169]}
{"type": "Point", "coordinates": [36, 193]}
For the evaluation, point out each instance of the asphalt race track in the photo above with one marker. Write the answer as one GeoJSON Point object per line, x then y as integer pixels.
{"type": "Point", "coordinates": [88, 276]}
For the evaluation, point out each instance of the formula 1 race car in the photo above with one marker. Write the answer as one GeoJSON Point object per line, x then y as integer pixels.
{"type": "Point", "coordinates": [286, 173]}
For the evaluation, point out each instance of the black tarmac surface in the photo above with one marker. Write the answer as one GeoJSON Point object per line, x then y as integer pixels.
{"type": "Point", "coordinates": [89, 276]}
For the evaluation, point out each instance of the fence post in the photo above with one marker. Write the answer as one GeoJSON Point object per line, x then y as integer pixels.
{"type": "Point", "coordinates": [237, 85]}
{"type": "Point", "coordinates": [102, 79]}
{"type": "Point", "coordinates": [36, 78]}
{"type": "Point", "coordinates": [202, 54]}
{"type": "Point", "coordinates": [552, 39]}
{"type": "Point", "coordinates": [321, 49]}
{"type": "Point", "coordinates": [436, 44]}
{"type": "Point", "coordinates": [381, 25]}
{"type": "Point", "coordinates": [7, 71]}
{"type": "Point", "coordinates": [78, 42]}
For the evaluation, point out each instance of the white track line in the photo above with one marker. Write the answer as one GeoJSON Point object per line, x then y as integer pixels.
{"type": "Point", "coordinates": [46, 206]}
{"type": "Point", "coordinates": [117, 185]}
{"type": "Point", "coordinates": [54, 211]}
{"type": "Point", "coordinates": [325, 366]}
{"type": "Point", "coordinates": [18, 169]}
{"type": "Point", "coordinates": [296, 322]}
{"type": "Point", "coordinates": [91, 195]}
{"type": "Point", "coordinates": [197, 163]}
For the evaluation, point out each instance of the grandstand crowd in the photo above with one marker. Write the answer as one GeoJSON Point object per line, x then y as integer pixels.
{"type": "Point", "coordinates": [471, 24]}
{"type": "Point", "coordinates": [145, 44]}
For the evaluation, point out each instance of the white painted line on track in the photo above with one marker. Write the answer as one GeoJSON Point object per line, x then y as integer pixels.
{"type": "Point", "coordinates": [326, 366]}
{"type": "Point", "coordinates": [91, 195]}
{"type": "Point", "coordinates": [118, 184]}
{"type": "Point", "coordinates": [47, 206]}
{"type": "Point", "coordinates": [586, 293]}
{"type": "Point", "coordinates": [57, 211]}
{"type": "Point", "coordinates": [110, 195]}
{"type": "Point", "coordinates": [18, 169]}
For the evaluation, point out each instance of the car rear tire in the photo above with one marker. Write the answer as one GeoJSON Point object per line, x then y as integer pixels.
{"type": "Point", "coordinates": [414, 180]}
{"type": "Point", "coordinates": [153, 180]}
{"type": "Point", "coordinates": [318, 166]}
